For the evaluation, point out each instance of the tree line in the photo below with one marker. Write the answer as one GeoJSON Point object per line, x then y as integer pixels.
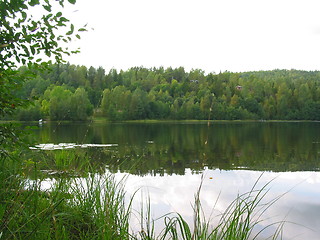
{"type": "Point", "coordinates": [70, 92]}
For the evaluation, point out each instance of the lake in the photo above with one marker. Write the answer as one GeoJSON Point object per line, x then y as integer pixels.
{"type": "Point", "coordinates": [168, 162]}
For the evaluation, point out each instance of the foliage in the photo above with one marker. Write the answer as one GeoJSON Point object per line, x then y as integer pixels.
{"type": "Point", "coordinates": [158, 93]}
{"type": "Point", "coordinates": [24, 40]}
{"type": "Point", "coordinates": [62, 104]}
{"type": "Point", "coordinates": [93, 208]}
{"type": "Point", "coordinates": [24, 36]}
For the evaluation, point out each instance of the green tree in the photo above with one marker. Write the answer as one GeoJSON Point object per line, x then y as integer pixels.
{"type": "Point", "coordinates": [32, 113]}
{"type": "Point", "coordinates": [59, 103]}
{"type": "Point", "coordinates": [175, 109]}
{"type": "Point", "coordinates": [138, 105]}
{"type": "Point", "coordinates": [269, 108]}
{"type": "Point", "coordinates": [304, 95]}
{"type": "Point", "coordinates": [106, 101]}
{"type": "Point", "coordinates": [98, 79]}
{"type": "Point", "coordinates": [206, 106]}
{"type": "Point", "coordinates": [252, 105]}
{"type": "Point", "coordinates": [282, 101]}
{"type": "Point", "coordinates": [80, 106]}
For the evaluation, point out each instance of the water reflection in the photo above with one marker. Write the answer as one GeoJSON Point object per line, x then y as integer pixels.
{"type": "Point", "coordinates": [300, 206]}
{"type": "Point", "coordinates": [166, 161]}
{"type": "Point", "coordinates": [61, 146]}
{"type": "Point", "coordinates": [170, 148]}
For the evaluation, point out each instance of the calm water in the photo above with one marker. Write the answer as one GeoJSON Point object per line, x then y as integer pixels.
{"type": "Point", "coordinates": [167, 161]}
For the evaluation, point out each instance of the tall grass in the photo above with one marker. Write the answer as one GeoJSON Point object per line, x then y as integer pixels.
{"type": "Point", "coordinates": [238, 222]}
{"type": "Point", "coordinates": [89, 208]}
{"type": "Point", "coordinates": [101, 202]}
{"type": "Point", "coordinates": [96, 207]}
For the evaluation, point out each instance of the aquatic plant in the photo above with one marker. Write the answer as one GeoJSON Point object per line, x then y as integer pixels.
{"type": "Point", "coordinates": [237, 222]}
{"type": "Point", "coordinates": [96, 207]}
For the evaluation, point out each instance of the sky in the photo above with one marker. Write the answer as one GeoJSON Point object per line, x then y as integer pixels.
{"type": "Point", "coordinates": [212, 35]}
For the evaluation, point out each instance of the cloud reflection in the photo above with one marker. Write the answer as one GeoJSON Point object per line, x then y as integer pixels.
{"type": "Point", "coordinates": [175, 193]}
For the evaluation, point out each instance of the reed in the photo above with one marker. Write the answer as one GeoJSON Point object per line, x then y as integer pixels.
{"type": "Point", "coordinates": [96, 207]}
{"type": "Point", "coordinates": [101, 202]}
{"type": "Point", "coordinates": [238, 222]}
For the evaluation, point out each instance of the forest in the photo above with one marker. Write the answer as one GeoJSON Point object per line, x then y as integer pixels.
{"type": "Point", "coordinates": [77, 93]}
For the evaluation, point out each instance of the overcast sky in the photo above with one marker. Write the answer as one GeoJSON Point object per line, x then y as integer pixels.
{"type": "Point", "coordinates": [213, 35]}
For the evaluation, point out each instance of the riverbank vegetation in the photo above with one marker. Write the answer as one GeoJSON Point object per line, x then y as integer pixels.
{"type": "Point", "coordinates": [94, 205]}
{"type": "Point", "coordinates": [69, 92]}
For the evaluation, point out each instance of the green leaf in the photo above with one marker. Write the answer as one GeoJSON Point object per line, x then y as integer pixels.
{"type": "Point", "coordinates": [34, 2]}
{"type": "Point", "coordinates": [78, 36]}
{"type": "Point", "coordinates": [63, 19]}
{"type": "Point", "coordinates": [52, 36]}
{"type": "Point", "coordinates": [48, 53]}
{"type": "Point", "coordinates": [82, 30]}
{"type": "Point", "coordinates": [59, 14]}
{"type": "Point", "coordinates": [60, 24]}
{"type": "Point", "coordinates": [71, 30]}
{"type": "Point", "coordinates": [24, 6]}
{"type": "Point", "coordinates": [49, 16]}
{"type": "Point", "coordinates": [61, 3]}
{"type": "Point", "coordinates": [47, 7]}
{"type": "Point", "coordinates": [33, 51]}
{"type": "Point", "coordinates": [24, 15]}
{"type": "Point", "coordinates": [72, 1]}
{"type": "Point", "coordinates": [26, 50]}
{"type": "Point", "coordinates": [24, 31]}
